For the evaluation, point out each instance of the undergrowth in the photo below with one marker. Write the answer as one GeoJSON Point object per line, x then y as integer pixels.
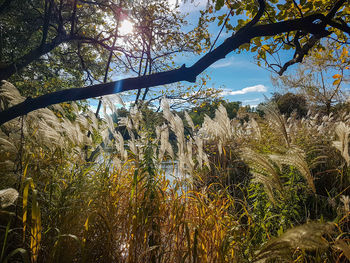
{"type": "Point", "coordinates": [266, 189]}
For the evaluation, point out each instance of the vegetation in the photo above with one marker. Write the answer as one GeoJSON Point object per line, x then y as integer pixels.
{"type": "Point", "coordinates": [322, 78]}
{"type": "Point", "coordinates": [265, 189]}
{"type": "Point", "coordinates": [218, 182]}
{"type": "Point", "coordinates": [290, 103]}
{"type": "Point", "coordinates": [270, 26]}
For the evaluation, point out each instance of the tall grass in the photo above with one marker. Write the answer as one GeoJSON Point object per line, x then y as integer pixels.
{"type": "Point", "coordinates": [251, 191]}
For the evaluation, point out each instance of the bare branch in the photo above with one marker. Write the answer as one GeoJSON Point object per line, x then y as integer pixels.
{"type": "Point", "coordinates": [222, 27]}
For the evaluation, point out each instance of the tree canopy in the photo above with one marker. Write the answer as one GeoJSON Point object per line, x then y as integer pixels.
{"type": "Point", "coordinates": [291, 103]}
{"type": "Point", "coordinates": [321, 78]}
{"type": "Point", "coordinates": [52, 29]}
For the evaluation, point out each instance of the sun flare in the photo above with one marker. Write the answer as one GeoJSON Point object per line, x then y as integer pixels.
{"type": "Point", "coordinates": [126, 27]}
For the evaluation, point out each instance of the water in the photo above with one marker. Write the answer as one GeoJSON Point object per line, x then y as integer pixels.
{"type": "Point", "coordinates": [172, 173]}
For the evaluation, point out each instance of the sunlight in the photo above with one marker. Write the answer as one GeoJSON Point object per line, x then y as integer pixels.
{"type": "Point", "coordinates": [173, 3]}
{"type": "Point", "coordinates": [126, 27]}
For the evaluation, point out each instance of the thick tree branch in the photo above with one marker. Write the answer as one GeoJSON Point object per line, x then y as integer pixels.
{"type": "Point", "coordinates": [22, 62]}
{"type": "Point", "coordinates": [342, 27]}
{"type": "Point", "coordinates": [244, 35]}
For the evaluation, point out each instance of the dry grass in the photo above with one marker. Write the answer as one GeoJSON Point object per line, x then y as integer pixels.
{"type": "Point", "coordinates": [122, 207]}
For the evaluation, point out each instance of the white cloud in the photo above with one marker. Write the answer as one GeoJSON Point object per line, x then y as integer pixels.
{"type": "Point", "coordinates": [222, 64]}
{"type": "Point", "coordinates": [250, 101]}
{"type": "Point", "coordinates": [234, 62]}
{"type": "Point", "coordinates": [256, 88]}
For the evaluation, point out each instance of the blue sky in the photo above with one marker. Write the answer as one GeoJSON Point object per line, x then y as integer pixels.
{"type": "Point", "coordinates": [239, 77]}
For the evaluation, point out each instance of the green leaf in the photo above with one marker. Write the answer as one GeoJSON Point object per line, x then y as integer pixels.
{"type": "Point", "coordinates": [245, 46]}
{"type": "Point", "coordinates": [219, 4]}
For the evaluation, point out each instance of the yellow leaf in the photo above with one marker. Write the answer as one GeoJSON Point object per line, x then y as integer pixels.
{"type": "Point", "coordinates": [35, 237]}
{"type": "Point", "coordinates": [25, 171]}
{"type": "Point", "coordinates": [337, 76]}
{"type": "Point", "coordinates": [25, 209]}
{"type": "Point", "coordinates": [336, 82]}
{"type": "Point", "coordinates": [86, 225]}
{"type": "Point", "coordinates": [343, 246]}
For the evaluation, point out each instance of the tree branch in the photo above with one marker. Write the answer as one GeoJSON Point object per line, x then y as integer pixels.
{"type": "Point", "coordinates": [256, 18]}
{"type": "Point", "coordinates": [22, 62]}
{"type": "Point", "coordinates": [300, 53]}
{"type": "Point", "coordinates": [335, 8]}
{"type": "Point", "coordinates": [342, 27]}
{"type": "Point", "coordinates": [244, 35]}
{"type": "Point", "coordinates": [300, 12]}
{"type": "Point", "coordinates": [74, 14]}
{"type": "Point", "coordinates": [48, 8]}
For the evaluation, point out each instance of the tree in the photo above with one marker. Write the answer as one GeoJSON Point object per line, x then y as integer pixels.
{"type": "Point", "coordinates": [208, 108]}
{"type": "Point", "coordinates": [289, 103]}
{"type": "Point", "coordinates": [276, 24]}
{"type": "Point", "coordinates": [49, 32]}
{"type": "Point", "coordinates": [321, 77]}
{"type": "Point", "coordinates": [88, 56]}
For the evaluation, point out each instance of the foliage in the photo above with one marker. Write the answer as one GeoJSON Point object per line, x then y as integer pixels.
{"type": "Point", "coordinates": [208, 108]}
{"type": "Point", "coordinates": [291, 103]}
{"type": "Point", "coordinates": [322, 78]}
{"type": "Point", "coordinates": [54, 45]}
{"type": "Point", "coordinates": [87, 32]}
{"type": "Point", "coordinates": [267, 48]}
{"type": "Point", "coordinates": [237, 191]}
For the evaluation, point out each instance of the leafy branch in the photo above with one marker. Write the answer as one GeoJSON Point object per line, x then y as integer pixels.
{"type": "Point", "coordinates": [310, 24]}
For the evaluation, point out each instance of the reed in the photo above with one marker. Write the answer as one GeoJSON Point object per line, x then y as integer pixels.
{"type": "Point", "coordinates": [257, 190]}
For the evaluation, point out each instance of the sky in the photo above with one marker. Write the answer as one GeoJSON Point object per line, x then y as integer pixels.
{"type": "Point", "coordinates": [237, 75]}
